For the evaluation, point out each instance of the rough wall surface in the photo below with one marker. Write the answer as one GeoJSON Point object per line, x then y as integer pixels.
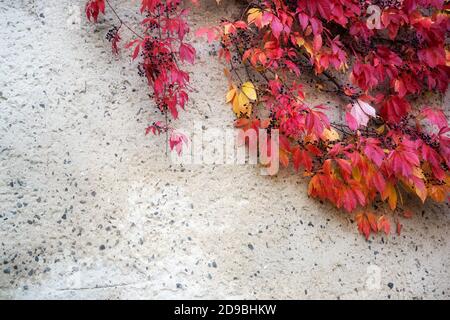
{"type": "Point", "coordinates": [91, 208]}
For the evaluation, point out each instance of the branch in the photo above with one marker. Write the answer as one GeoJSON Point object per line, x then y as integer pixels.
{"type": "Point", "coordinates": [122, 22]}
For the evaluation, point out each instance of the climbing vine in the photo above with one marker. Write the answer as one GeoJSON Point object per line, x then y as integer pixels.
{"type": "Point", "coordinates": [159, 45]}
{"type": "Point", "coordinates": [378, 57]}
{"type": "Point", "coordinates": [386, 60]}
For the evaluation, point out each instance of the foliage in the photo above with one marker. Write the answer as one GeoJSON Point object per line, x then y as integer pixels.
{"type": "Point", "coordinates": [379, 66]}
{"type": "Point", "coordinates": [387, 147]}
{"type": "Point", "coordinates": [159, 46]}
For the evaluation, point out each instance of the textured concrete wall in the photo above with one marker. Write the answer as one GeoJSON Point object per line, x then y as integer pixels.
{"type": "Point", "coordinates": [91, 208]}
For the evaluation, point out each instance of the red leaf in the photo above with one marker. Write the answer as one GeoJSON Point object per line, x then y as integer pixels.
{"type": "Point", "coordinates": [115, 43]}
{"type": "Point", "coordinates": [373, 151]}
{"type": "Point", "coordinates": [360, 30]}
{"type": "Point", "coordinates": [314, 150]}
{"type": "Point", "coordinates": [304, 19]}
{"type": "Point", "coordinates": [351, 121]}
{"type": "Point", "coordinates": [393, 19]}
{"type": "Point", "coordinates": [394, 108]}
{"type": "Point", "coordinates": [345, 166]}
{"type": "Point", "coordinates": [433, 56]}
{"type": "Point", "coordinates": [317, 42]}
{"type": "Point", "coordinates": [187, 53]}
{"type": "Point", "coordinates": [301, 157]}
{"type": "Point", "coordinates": [435, 116]}
{"type": "Point", "coordinates": [176, 141]}
{"type": "Point", "coordinates": [404, 158]}
{"type": "Point", "coordinates": [284, 158]}
{"type": "Point", "coordinates": [399, 228]}
{"type": "Point", "coordinates": [361, 112]}
{"type": "Point", "coordinates": [316, 122]}
{"type": "Point", "coordinates": [430, 155]}
{"type": "Point", "coordinates": [348, 199]}
{"type": "Point", "coordinates": [211, 33]}
{"type": "Point", "coordinates": [379, 182]}
{"type": "Point", "coordinates": [149, 5]}
{"type": "Point", "coordinates": [93, 8]}
{"type": "Point", "coordinates": [277, 27]}
{"type": "Point", "coordinates": [364, 75]}
{"type": "Point", "coordinates": [136, 51]}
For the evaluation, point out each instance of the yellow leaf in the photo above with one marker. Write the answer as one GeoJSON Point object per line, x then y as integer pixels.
{"type": "Point", "coordinates": [249, 110]}
{"type": "Point", "coordinates": [249, 90]}
{"type": "Point", "coordinates": [236, 107]}
{"type": "Point", "coordinates": [393, 199]}
{"type": "Point", "coordinates": [356, 173]}
{"type": "Point", "coordinates": [330, 134]}
{"type": "Point", "coordinates": [308, 48]}
{"type": "Point", "coordinates": [229, 28]}
{"type": "Point", "coordinates": [418, 173]}
{"type": "Point", "coordinates": [300, 41]}
{"type": "Point", "coordinates": [343, 67]}
{"type": "Point", "coordinates": [230, 94]}
{"type": "Point", "coordinates": [380, 129]}
{"type": "Point", "coordinates": [253, 14]}
{"type": "Point", "coordinates": [241, 105]}
{"type": "Point", "coordinates": [243, 99]}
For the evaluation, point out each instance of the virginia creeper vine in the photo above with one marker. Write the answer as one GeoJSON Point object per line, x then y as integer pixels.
{"type": "Point", "coordinates": [389, 145]}
{"type": "Point", "coordinates": [386, 147]}
{"type": "Point", "coordinates": [160, 46]}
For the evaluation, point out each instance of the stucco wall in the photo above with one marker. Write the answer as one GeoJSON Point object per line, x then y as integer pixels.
{"type": "Point", "coordinates": [92, 208]}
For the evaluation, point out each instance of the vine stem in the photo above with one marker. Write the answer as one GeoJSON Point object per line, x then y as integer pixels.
{"type": "Point", "coordinates": [331, 78]}
{"type": "Point", "coordinates": [167, 133]}
{"type": "Point", "coordinates": [122, 22]}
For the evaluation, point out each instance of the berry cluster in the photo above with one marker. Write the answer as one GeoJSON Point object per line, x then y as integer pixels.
{"type": "Point", "coordinates": [386, 4]}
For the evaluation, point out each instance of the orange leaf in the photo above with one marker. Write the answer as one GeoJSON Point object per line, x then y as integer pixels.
{"type": "Point", "coordinates": [384, 225]}
{"type": "Point", "coordinates": [372, 221]}
{"type": "Point", "coordinates": [242, 122]}
{"type": "Point", "coordinates": [363, 224]}
{"type": "Point", "coordinates": [437, 193]}
{"type": "Point", "coordinates": [390, 194]}
{"type": "Point", "coordinates": [421, 190]}
{"type": "Point", "coordinates": [265, 123]}
{"type": "Point", "coordinates": [314, 185]}
{"type": "Point", "coordinates": [230, 95]}
{"type": "Point", "coordinates": [284, 158]}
